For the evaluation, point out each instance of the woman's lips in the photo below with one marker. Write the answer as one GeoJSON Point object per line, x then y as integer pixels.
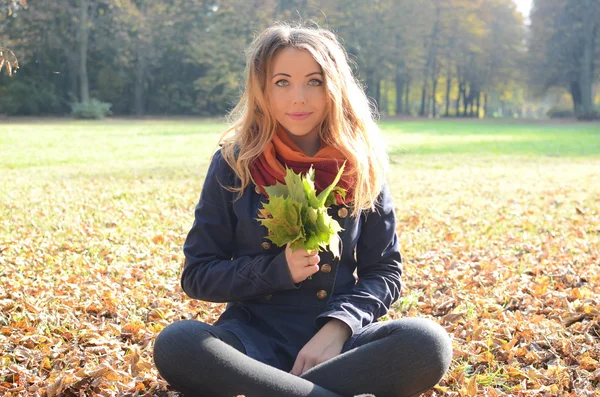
{"type": "Point", "coordinates": [298, 116]}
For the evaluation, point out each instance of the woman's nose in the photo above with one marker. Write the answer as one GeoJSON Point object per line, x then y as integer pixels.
{"type": "Point", "coordinates": [299, 97]}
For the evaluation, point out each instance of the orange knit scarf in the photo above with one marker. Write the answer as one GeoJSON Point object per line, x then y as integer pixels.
{"type": "Point", "coordinates": [269, 168]}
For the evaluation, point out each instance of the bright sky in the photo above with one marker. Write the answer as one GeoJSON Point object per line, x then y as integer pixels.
{"type": "Point", "coordinates": [524, 6]}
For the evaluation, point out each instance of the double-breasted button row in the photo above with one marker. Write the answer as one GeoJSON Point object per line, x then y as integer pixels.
{"type": "Point", "coordinates": [326, 268]}
{"type": "Point", "coordinates": [265, 245]}
{"type": "Point", "coordinates": [268, 297]}
{"type": "Point", "coordinates": [257, 189]}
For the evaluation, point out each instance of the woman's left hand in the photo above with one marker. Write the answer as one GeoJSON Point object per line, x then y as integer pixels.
{"type": "Point", "coordinates": [325, 345]}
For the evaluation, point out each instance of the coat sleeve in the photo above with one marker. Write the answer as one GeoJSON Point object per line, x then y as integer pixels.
{"type": "Point", "coordinates": [379, 270]}
{"type": "Point", "coordinates": [210, 272]}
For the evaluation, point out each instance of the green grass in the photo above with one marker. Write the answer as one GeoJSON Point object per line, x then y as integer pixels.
{"type": "Point", "coordinates": [114, 144]}
{"type": "Point", "coordinates": [76, 143]}
{"type": "Point", "coordinates": [493, 137]}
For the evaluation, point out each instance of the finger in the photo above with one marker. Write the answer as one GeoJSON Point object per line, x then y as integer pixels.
{"type": "Point", "coordinates": [298, 365]}
{"type": "Point", "coordinates": [313, 260]}
{"type": "Point", "coordinates": [310, 270]}
{"type": "Point", "coordinates": [307, 365]}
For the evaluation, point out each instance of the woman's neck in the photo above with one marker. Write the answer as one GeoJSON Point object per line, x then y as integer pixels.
{"type": "Point", "coordinates": [309, 143]}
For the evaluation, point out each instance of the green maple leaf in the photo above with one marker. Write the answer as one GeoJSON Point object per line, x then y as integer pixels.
{"type": "Point", "coordinates": [324, 195]}
{"type": "Point", "coordinates": [295, 185]}
{"type": "Point", "coordinates": [308, 183]}
{"type": "Point", "coordinates": [285, 220]}
{"type": "Point", "coordinates": [279, 189]}
{"type": "Point", "coordinates": [296, 214]}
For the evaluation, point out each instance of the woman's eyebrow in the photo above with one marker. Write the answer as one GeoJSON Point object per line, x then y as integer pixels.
{"type": "Point", "coordinates": [287, 75]}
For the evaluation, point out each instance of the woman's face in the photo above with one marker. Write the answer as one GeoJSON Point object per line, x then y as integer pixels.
{"type": "Point", "coordinates": [297, 95]}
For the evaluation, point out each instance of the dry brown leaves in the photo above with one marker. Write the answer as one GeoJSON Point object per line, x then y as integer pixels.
{"type": "Point", "coordinates": [504, 254]}
{"type": "Point", "coordinates": [88, 277]}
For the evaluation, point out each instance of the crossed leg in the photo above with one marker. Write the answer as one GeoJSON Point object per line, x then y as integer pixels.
{"type": "Point", "coordinates": [389, 359]}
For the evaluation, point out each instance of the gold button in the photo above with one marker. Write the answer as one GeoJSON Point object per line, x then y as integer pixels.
{"type": "Point", "coordinates": [322, 294]}
{"type": "Point", "coordinates": [326, 268]}
{"type": "Point", "coordinates": [257, 189]}
{"type": "Point", "coordinates": [343, 212]}
{"type": "Point", "coordinates": [268, 297]}
{"type": "Point", "coordinates": [265, 245]}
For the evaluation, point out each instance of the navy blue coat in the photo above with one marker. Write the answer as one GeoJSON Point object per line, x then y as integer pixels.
{"type": "Point", "coordinates": [229, 259]}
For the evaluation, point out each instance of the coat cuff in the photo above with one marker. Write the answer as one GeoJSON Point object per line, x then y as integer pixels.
{"type": "Point", "coordinates": [282, 273]}
{"type": "Point", "coordinates": [351, 320]}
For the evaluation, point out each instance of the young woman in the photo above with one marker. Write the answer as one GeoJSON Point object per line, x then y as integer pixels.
{"type": "Point", "coordinates": [298, 323]}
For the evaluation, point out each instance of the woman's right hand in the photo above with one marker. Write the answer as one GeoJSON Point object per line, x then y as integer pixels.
{"type": "Point", "coordinates": [301, 263]}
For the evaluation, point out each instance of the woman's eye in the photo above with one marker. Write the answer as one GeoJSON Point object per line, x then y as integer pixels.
{"type": "Point", "coordinates": [285, 83]}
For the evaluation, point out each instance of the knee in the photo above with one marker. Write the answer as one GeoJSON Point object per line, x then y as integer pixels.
{"type": "Point", "coordinates": [175, 334]}
{"type": "Point", "coordinates": [173, 342]}
{"type": "Point", "coordinates": [430, 344]}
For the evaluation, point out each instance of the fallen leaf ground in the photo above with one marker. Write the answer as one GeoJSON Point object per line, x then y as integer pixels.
{"type": "Point", "coordinates": [501, 249]}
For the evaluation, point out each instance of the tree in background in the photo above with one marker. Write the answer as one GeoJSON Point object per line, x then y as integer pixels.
{"type": "Point", "coordinates": [216, 49]}
{"type": "Point", "coordinates": [565, 50]}
{"type": "Point", "coordinates": [152, 39]}
{"type": "Point", "coordinates": [434, 58]}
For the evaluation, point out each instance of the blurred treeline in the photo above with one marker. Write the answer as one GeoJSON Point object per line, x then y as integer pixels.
{"type": "Point", "coordinates": [465, 58]}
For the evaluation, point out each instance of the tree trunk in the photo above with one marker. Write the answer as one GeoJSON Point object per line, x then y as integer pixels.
{"type": "Point", "coordinates": [485, 104]}
{"type": "Point", "coordinates": [472, 104]}
{"type": "Point", "coordinates": [575, 90]}
{"type": "Point", "coordinates": [407, 97]}
{"type": "Point", "coordinates": [372, 87]}
{"type": "Point", "coordinates": [478, 103]}
{"type": "Point", "coordinates": [423, 99]}
{"type": "Point", "coordinates": [399, 92]}
{"type": "Point", "coordinates": [83, 49]}
{"type": "Point", "coordinates": [433, 92]}
{"type": "Point", "coordinates": [378, 93]}
{"type": "Point", "coordinates": [448, 87]}
{"type": "Point", "coordinates": [428, 106]}
{"type": "Point", "coordinates": [71, 81]}
{"type": "Point", "coordinates": [586, 74]}
{"type": "Point", "coordinates": [430, 62]}
{"type": "Point", "coordinates": [140, 66]}
{"type": "Point", "coordinates": [384, 93]}
{"type": "Point", "coordinates": [467, 112]}
{"type": "Point", "coordinates": [435, 76]}
{"type": "Point", "coordinates": [399, 78]}
{"type": "Point", "coordinates": [460, 91]}
{"type": "Point", "coordinates": [468, 101]}
{"type": "Point", "coordinates": [138, 90]}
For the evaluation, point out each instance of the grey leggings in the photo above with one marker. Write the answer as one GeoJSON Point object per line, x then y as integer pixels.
{"type": "Point", "coordinates": [390, 359]}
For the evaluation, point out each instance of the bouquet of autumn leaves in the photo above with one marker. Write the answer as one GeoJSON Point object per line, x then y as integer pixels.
{"type": "Point", "coordinates": [295, 213]}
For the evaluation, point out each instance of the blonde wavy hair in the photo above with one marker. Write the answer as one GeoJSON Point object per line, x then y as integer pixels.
{"type": "Point", "coordinates": [349, 124]}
